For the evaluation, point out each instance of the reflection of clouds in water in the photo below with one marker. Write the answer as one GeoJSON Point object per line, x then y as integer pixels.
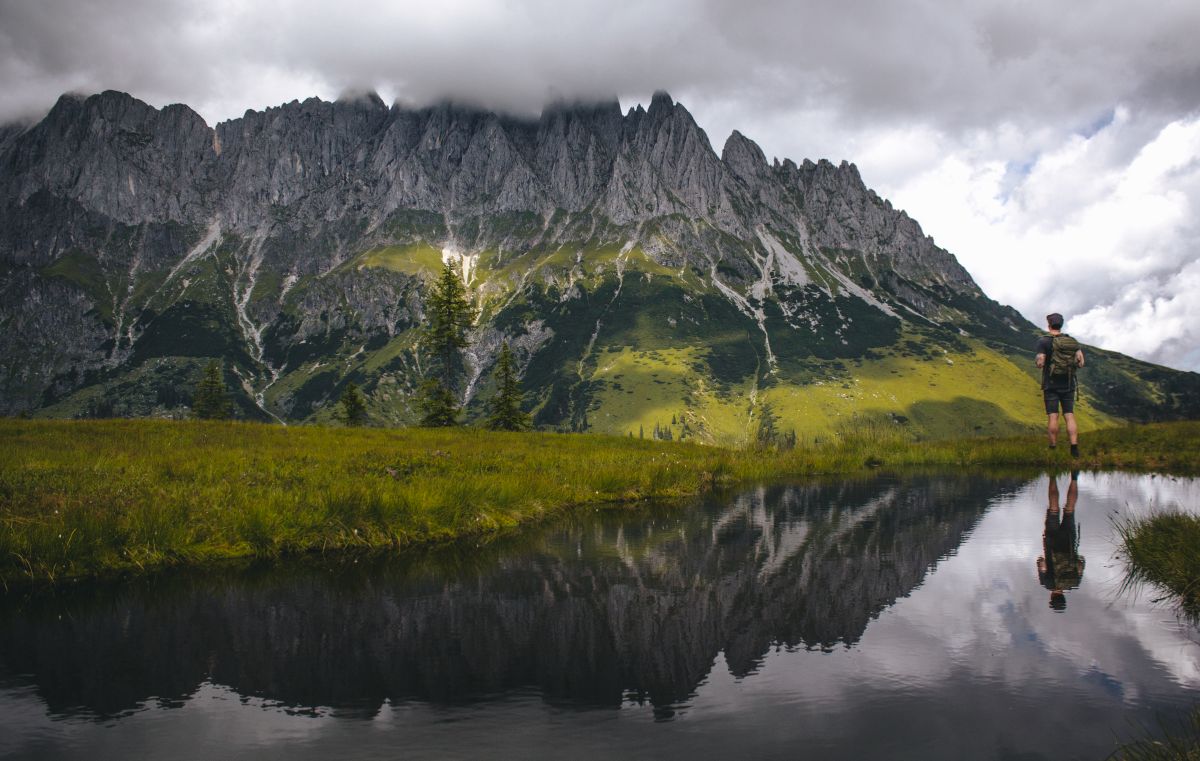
{"type": "Point", "coordinates": [966, 609]}
{"type": "Point", "coordinates": [981, 617]}
{"type": "Point", "coordinates": [1137, 495]}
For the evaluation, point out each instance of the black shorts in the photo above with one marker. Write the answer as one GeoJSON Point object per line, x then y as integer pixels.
{"type": "Point", "coordinates": [1059, 396]}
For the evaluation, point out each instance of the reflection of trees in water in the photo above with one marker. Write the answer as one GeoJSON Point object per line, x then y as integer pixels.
{"type": "Point", "coordinates": [619, 605]}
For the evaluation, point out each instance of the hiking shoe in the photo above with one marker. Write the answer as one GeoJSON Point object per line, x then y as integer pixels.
{"type": "Point", "coordinates": [1074, 450]}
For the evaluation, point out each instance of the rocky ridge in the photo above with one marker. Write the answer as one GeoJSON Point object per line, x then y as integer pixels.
{"type": "Point", "coordinates": [140, 240]}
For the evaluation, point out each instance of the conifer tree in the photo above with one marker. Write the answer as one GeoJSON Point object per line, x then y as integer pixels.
{"type": "Point", "coordinates": [439, 405]}
{"type": "Point", "coordinates": [505, 412]}
{"type": "Point", "coordinates": [788, 440]}
{"type": "Point", "coordinates": [766, 436]}
{"type": "Point", "coordinates": [449, 316]}
{"type": "Point", "coordinates": [211, 401]}
{"type": "Point", "coordinates": [354, 408]}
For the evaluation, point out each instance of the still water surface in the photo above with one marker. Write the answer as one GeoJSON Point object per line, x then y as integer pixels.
{"type": "Point", "coordinates": [899, 617]}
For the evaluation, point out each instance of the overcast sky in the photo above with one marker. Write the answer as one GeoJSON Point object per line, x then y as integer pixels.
{"type": "Point", "coordinates": [1053, 147]}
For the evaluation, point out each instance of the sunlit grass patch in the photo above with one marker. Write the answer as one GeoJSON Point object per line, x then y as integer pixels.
{"type": "Point", "coordinates": [642, 389]}
{"type": "Point", "coordinates": [416, 259]}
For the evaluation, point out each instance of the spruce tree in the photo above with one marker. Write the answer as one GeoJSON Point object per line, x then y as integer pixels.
{"type": "Point", "coordinates": [439, 405]}
{"type": "Point", "coordinates": [766, 436]}
{"type": "Point", "coordinates": [354, 408]}
{"type": "Point", "coordinates": [211, 401]}
{"type": "Point", "coordinates": [505, 412]}
{"type": "Point", "coordinates": [449, 316]}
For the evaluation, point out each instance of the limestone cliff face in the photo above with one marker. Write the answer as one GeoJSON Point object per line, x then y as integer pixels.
{"type": "Point", "coordinates": [116, 157]}
{"type": "Point", "coordinates": [302, 236]}
{"type": "Point", "coordinates": [120, 159]}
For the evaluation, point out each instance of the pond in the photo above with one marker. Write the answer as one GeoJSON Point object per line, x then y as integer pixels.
{"type": "Point", "coordinates": [922, 616]}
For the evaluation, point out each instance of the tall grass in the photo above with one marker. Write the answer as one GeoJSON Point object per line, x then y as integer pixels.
{"type": "Point", "coordinates": [1179, 742]}
{"type": "Point", "coordinates": [85, 497]}
{"type": "Point", "coordinates": [1164, 550]}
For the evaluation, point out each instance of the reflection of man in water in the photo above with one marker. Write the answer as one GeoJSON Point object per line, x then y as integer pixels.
{"type": "Point", "coordinates": [1061, 566]}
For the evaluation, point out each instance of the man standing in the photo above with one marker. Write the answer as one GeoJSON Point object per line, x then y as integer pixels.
{"type": "Point", "coordinates": [1059, 356]}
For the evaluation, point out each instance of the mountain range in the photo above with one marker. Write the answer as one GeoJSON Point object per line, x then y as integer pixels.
{"type": "Point", "coordinates": [646, 284]}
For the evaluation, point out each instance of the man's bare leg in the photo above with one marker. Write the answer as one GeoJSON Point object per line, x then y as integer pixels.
{"type": "Point", "coordinates": [1073, 432]}
{"type": "Point", "coordinates": [1072, 429]}
{"type": "Point", "coordinates": [1052, 428]}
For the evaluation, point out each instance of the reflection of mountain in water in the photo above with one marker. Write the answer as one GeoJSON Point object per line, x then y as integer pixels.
{"type": "Point", "coordinates": [607, 608]}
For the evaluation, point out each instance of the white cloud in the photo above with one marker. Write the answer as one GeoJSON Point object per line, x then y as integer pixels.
{"type": "Point", "coordinates": [1159, 319]}
{"type": "Point", "coordinates": [1105, 229]}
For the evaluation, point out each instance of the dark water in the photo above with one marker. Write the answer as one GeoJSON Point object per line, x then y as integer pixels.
{"type": "Point", "coordinates": [891, 618]}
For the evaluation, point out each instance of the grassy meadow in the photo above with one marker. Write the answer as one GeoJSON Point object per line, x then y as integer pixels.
{"type": "Point", "coordinates": [80, 498]}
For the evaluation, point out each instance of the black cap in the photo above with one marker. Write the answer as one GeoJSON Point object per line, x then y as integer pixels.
{"type": "Point", "coordinates": [1054, 320]}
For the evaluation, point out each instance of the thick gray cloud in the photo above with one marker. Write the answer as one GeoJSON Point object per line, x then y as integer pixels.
{"type": "Point", "coordinates": [970, 115]}
{"type": "Point", "coordinates": [972, 66]}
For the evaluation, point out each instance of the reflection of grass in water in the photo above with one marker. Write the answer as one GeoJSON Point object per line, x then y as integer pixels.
{"type": "Point", "coordinates": [1164, 550]}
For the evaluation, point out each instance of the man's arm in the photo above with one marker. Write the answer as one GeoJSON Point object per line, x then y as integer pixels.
{"type": "Point", "coordinates": [1041, 359]}
{"type": "Point", "coordinates": [1078, 358]}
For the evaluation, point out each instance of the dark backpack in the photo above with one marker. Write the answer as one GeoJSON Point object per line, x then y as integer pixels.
{"type": "Point", "coordinates": [1062, 355]}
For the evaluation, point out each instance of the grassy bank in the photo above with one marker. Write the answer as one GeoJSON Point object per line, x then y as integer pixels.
{"type": "Point", "coordinates": [80, 498]}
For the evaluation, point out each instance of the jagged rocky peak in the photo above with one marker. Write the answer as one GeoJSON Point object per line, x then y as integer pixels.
{"type": "Point", "coordinates": [573, 149]}
{"type": "Point", "coordinates": [99, 116]}
{"type": "Point", "coordinates": [665, 111]}
{"type": "Point", "coordinates": [114, 155]}
{"type": "Point", "coordinates": [367, 98]}
{"type": "Point", "coordinates": [743, 156]}
{"type": "Point", "coordinates": [666, 165]}
{"type": "Point", "coordinates": [660, 103]}
{"type": "Point", "coordinates": [582, 122]}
